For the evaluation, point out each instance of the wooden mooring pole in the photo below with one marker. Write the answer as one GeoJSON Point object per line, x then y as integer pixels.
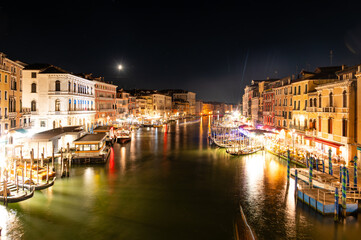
{"type": "Point", "coordinates": [336, 205]}
{"type": "Point", "coordinates": [52, 159]}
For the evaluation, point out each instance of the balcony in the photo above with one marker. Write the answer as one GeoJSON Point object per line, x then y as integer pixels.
{"type": "Point", "coordinates": [5, 68]}
{"type": "Point", "coordinates": [12, 114]}
{"type": "Point", "coordinates": [344, 140]}
{"type": "Point", "coordinates": [299, 128]}
{"type": "Point", "coordinates": [311, 109]}
{"type": "Point", "coordinates": [344, 110]}
{"type": "Point", "coordinates": [328, 109]}
{"type": "Point", "coordinates": [25, 111]}
{"type": "Point", "coordinates": [330, 136]}
{"type": "Point", "coordinates": [311, 132]}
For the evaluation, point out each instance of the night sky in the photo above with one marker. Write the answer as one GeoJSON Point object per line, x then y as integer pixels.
{"type": "Point", "coordinates": [212, 48]}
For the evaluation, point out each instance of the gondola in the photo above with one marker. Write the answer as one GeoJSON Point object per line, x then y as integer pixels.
{"type": "Point", "coordinates": [14, 194]}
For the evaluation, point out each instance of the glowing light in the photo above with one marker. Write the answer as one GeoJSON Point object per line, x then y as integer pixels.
{"type": "Point", "coordinates": [120, 67]}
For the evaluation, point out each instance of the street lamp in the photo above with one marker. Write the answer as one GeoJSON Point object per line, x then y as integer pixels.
{"type": "Point", "coordinates": [120, 67]}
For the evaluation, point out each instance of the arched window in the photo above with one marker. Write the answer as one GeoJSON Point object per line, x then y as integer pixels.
{"type": "Point", "coordinates": [33, 105]}
{"type": "Point", "coordinates": [311, 102]}
{"type": "Point", "coordinates": [74, 87]}
{"type": "Point", "coordinates": [57, 105]}
{"type": "Point", "coordinates": [69, 86]}
{"type": "Point", "coordinates": [344, 99]}
{"type": "Point", "coordinates": [57, 85]}
{"type": "Point", "coordinates": [33, 87]}
{"type": "Point", "coordinates": [315, 102]}
{"type": "Point", "coordinates": [344, 127]}
{"type": "Point", "coordinates": [330, 125]}
{"type": "Point", "coordinates": [319, 101]}
{"type": "Point", "coordinates": [299, 90]}
{"type": "Point", "coordinates": [331, 99]}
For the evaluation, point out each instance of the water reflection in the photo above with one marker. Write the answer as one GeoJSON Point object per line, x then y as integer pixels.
{"type": "Point", "coordinates": [170, 184]}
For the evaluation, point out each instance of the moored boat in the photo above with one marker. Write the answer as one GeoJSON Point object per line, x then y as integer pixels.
{"type": "Point", "coordinates": [244, 151]}
{"type": "Point", "coordinates": [14, 193]}
{"type": "Point", "coordinates": [123, 136]}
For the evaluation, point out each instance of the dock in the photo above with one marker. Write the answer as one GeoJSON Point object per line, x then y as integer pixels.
{"type": "Point", "coordinates": [323, 201]}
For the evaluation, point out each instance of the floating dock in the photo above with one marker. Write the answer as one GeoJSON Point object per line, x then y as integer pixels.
{"type": "Point", "coordinates": [324, 201]}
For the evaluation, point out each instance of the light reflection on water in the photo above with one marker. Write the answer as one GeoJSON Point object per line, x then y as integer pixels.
{"type": "Point", "coordinates": [168, 183]}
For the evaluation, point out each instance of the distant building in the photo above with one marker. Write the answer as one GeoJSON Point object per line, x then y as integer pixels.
{"type": "Point", "coordinates": [105, 102]}
{"type": "Point", "coordinates": [122, 104]}
{"type": "Point", "coordinates": [182, 96]}
{"type": "Point", "coordinates": [199, 107]}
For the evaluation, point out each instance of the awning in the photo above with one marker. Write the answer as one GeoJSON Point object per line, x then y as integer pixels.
{"type": "Point", "coordinates": [21, 130]}
{"type": "Point", "coordinates": [328, 143]}
{"type": "Point", "coordinates": [308, 138]}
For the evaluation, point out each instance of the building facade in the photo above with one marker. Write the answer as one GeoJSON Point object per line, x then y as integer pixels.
{"type": "Point", "coordinates": [105, 102]}
{"type": "Point", "coordinates": [57, 98]}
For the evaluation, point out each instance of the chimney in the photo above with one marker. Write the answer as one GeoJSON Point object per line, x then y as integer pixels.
{"type": "Point", "coordinates": [343, 67]}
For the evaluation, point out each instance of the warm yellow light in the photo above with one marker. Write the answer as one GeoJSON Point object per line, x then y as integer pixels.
{"type": "Point", "coordinates": [120, 67]}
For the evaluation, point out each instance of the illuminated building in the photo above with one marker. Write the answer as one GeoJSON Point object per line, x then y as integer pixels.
{"type": "Point", "coordinates": [122, 104]}
{"type": "Point", "coordinates": [57, 97]}
{"type": "Point", "coordinates": [105, 102]}
{"type": "Point", "coordinates": [282, 100]}
{"type": "Point", "coordinates": [336, 108]}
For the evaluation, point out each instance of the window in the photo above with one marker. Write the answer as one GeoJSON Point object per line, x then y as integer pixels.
{"type": "Point", "coordinates": [42, 124]}
{"type": "Point", "coordinates": [311, 103]}
{"type": "Point", "coordinates": [74, 87]}
{"type": "Point", "coordinates": [306, 90]}
{"type": "Point", "coordinates": [6, 78]}
{"type": "Point", "coordinates": [33, 75]}
{"type": "Point", "coordinates": [291, 102]}
{"type": "Point", "coordinates": [344, 99]}
{"type": "Point", "coordinates": [6, 95]}
{"type": "Point", "coordinates": [319, 124]}
{"type": "Point", "coordinates": [319, 101]}
{"type": "Point", "coordinates": [57, 85]}
{"type": "Point", "coordinates": [330, 125]}
{"type": "Point", "coordinates": [315, 102]}
{"type": "Point", "coordinates": [69, 108]}
{"type": "Point", "coordinates": [299, 90]}
{"type": "Point", "coordinates": [295, 92]}
{"type": "Point", "coordinates": [299, 105]}
{"type": "Point", "coordinates": [57, 105]}
{"type": "Point", "coordinates": [305, 104]}
{"type": "Point", "coordinates": [33, 106]}
{"type": "Point", "coordinates": [33, 87]}
{"type": "Point", "coordinates": [69, 86]}
{"type": "Point", "coordinates": [331, 99]}
{"type": "Point", "coordinates": [344, 127]}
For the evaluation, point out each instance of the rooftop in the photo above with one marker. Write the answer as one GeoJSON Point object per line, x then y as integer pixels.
{"type": "Point", "coordinates": [98, 137]}
{"type": "Point", "coordinates": [56, 132]}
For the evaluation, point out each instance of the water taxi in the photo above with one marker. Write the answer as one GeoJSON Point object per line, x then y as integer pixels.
{"type": "Point", "coordinates": [123, 136]}
{"type": "Point", "coordinates": [91, 148]}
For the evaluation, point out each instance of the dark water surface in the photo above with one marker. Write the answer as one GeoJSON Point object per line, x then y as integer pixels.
{"type": "Point", "coordinates": [170, 184]}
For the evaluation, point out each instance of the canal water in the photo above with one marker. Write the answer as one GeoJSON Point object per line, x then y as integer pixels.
{"type": "Point", "coordinates": [170, 184]}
